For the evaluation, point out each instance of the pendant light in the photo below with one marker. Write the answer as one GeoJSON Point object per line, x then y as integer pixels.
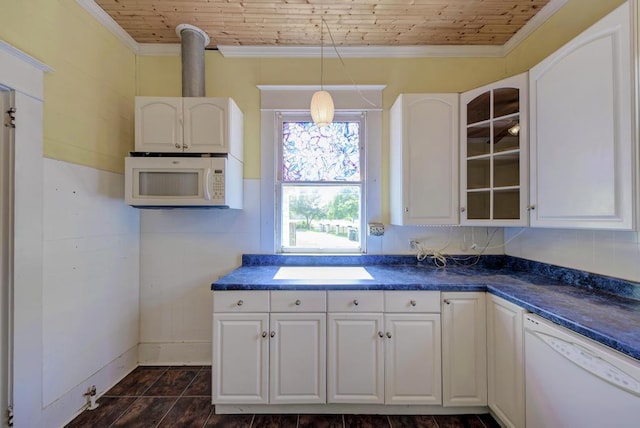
{"type": "Point", "coordinates": [321, 101]}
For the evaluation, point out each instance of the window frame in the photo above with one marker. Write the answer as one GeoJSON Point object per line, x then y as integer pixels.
{"type": "Point", "coordinates": [342, 116]}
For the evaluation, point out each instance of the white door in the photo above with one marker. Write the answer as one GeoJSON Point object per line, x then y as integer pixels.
{"type": "Point", "coordinates": [464, 349]}
{"type": "Point", "coordinates": [412, 359]}
{"type": "Point", "coordinates": [582, 130]}
{"type": "Point", "coordinates": [505, 361]}
{"type": "Point", "coordinates": [6, 250]}
{"type": "Point", "coordinates": [158, 124]}
{"type": "Point", "coordinates": [424, 159]}
{"type": "Point", "coordinates": [205, 125]}
{"type": "Point", "coordinates": [240, 358]}
{"type": "Point", "coordinates": [298, 352]}
{"type": "Point", "coordinates": [355, 358]}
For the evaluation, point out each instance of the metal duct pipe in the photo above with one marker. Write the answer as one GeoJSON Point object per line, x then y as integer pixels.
{"type": "Point", "coordinates": [194, 40]}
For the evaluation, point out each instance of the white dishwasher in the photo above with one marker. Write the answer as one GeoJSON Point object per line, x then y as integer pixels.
{"type": "Point", "coordinates": [572, 381]}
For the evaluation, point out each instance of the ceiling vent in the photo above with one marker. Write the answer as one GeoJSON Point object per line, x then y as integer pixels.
{"type": "Point", "coordinates": [193, 42]}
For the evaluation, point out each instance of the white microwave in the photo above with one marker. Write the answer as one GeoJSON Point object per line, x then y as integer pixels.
{"type": "Point", "coordinates": [164, 182]}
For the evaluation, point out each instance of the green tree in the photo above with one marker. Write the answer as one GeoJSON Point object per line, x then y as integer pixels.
{"type": "Point", "coordinates": [307, 205]}
{"type": "Point", "coordinates": [345, 205]}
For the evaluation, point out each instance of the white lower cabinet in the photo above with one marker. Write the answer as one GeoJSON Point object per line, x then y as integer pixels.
{"type": "Point", "coordinates": [505, 369]}
{"type": "Point", "coordinates": [390, 357]}
{"type": "Point", "coordinates": [269, 358]}
{"type": "Point", "coordinates": [240, 358]}
{"type": "Point", "coordinates": [355, 358]}
{"type": "Point", "coordinates": [297, 358]}
{"type": "Point", "coordinates": [464, 349]}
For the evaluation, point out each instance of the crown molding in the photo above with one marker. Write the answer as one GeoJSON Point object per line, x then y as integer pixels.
{"type": "Point", "coordinates": [103, 17]}
{"type": "Point", "coordinates": [17, 53]}
{"type": "Point", "coordinates": [359, 51]}
{"type": "Point", "coordinates": [159, 49]}
{"type": "Point", "coordinates": [229, 51]}
{"type": "Point", "coordinates": [534, 23]}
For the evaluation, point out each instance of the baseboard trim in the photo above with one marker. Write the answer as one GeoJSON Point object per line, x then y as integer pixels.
{"type": "Point", "coordinates": [174, 354]}
{"type": "Point", "coordinates": [360, 409]}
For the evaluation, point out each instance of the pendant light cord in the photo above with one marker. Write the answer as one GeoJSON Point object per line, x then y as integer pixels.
{"type": "Point", "coordinates": [344, 66]}
{"type": "Point", "coordinates": [322, 23]}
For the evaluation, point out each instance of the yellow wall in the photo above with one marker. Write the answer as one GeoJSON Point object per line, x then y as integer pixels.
{"type": "Point", "coordinates": [88, 107]}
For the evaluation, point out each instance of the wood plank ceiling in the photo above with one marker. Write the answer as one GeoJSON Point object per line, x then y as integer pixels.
{"type": "Point", "coordinates": [351, 22]}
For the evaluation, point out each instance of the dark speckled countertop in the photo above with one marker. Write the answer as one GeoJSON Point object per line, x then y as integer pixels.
{"type": "Point", "coordinates": [604, 309]}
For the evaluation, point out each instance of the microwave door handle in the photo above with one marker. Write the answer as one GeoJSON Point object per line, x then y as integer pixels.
{"type": "Point", "coordinates": [207, 185]}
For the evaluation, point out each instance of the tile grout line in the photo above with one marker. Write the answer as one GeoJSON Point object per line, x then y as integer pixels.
{"type": "Point", "coordinates": [134, 396]}
{"type": "Point", "coordinates": [178, 397]}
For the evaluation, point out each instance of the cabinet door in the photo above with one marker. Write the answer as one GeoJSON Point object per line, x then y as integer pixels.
{"type": "Point", "coordinates": [464, 349]}
{"type": "Point", "coordinates": [582, 130]}
{"type": "Point", "coordinates": [505, 368]}
{"type": "Point", "coordinates": [158, 124]}
{"type": "Point", "coordinates": [494, 154]}
{"type": "Point", "coordinates": [412, 359]}
{"type": "Point", "coordinates": [205, 125]}
{"type": "Point", "coordinates": [355, 358]}
{"type": "Point", "coordinates": [240, 358]}
{"type": "Point", "coordinates": [424, 159]}
{"type": "Point", "coordinates": [297, 358]}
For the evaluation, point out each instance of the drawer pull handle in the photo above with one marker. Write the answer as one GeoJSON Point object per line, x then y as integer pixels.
{"type": "Point", "coordinates": [380, 334]}
{"type": "Point", "coordinates": [273, 334]}
{"type": "Point", "coordinates": [413, 302]}
{"type": "Point", "coordinates": [298, 302]}
{"type": "Point", "coordinates": [355, 302]}
{"type": "Point", "coordinates": [240, 303]}
{"type": "Point", "coordinates": [389, 335]}
{"type": "Point", "coordinates": [264, 334]}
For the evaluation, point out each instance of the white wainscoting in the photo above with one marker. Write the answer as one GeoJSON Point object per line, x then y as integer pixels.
{"type": "Point", "coordinates": [91, 259]}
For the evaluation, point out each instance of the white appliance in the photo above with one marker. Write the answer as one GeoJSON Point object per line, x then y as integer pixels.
{"type": "Point", "coordinates": [163, 182]}
{"type": "Point", "coordinates": [572, 381]}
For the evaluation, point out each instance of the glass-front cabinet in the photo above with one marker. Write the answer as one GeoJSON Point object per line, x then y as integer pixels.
{"type": "Point", "coordinates": [493, 154]}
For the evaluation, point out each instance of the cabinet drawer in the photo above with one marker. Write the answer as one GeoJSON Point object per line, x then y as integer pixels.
{"type": "Point", "coordinates": [241, 301]}
{"type": "Point", "coordinates": [412, 301]}
{"type": "Point", "coordinates": [298, 301]}
{"type": "Point", "coordinates": [355, 301]}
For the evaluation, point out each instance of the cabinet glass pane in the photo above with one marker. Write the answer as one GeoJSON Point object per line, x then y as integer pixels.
{"type": "Point", "coordinates": [505, 101]}
{"type": "Point", "coordinates": [506, 134]}
{"type": "Point", "coordinates": [506, 204]}
{"type": "Point", "coordinates": [479, 108]}
{"type": "Point", "coordinates": [478, 205]}
{"type": "Point", "coordinates": [506, 170]}
{"type": "Point", "coordinates": [479, 174]}
{"type": "Point", "coordinates": [478, 140]}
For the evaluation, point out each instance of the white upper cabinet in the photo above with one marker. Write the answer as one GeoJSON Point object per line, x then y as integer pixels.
{"type": "Point", "coordinates": [583, 130]}
{"type": "Point", "coordinates": [189, 125]}
{"type": "Point", "coordinates": [424, 159]}
{"type": "Point", "coordinates": [494, 154]}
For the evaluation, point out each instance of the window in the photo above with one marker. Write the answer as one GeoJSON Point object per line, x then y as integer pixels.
{"type": "Point", "coordinates": [320, 184]}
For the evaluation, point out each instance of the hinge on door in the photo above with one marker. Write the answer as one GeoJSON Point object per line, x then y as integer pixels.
{"type": "Point", "coordinates": [10, 118]}
{"type": "Point", "coordinates": [10, 416]}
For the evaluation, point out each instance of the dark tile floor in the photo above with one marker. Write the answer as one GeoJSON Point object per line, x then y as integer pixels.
{"type": "Point", "coordinates": [181, 397]}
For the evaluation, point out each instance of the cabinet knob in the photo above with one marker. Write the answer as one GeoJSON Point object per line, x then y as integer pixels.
{"type": "Point", "coordinates": [413, 303]}
{"type": "Point", "coordinates": [406, 209]}
{"type": "Point", "coordinates": [389, 335]}
{"type": "Point", "coordinates": [264, 334]}
{"type": "Point", "coordinates": [185, 146]}
{"type": "Point", "coordinates": [531, 207]}
{"type": "Point", "coordinates": [273, 333]}
{"type": "Point", "coordinates": [447, 301]}
{"type": "Point", "coordinates": [178, 146]}
{"type": "Point", "coordinates": [462, 209]}
{"type": "Point", "coordinates": [298, 302]}
{"type": "Point", "coordinates": [355, 302]}
{"type": "Point", "coordinates": [380, 334]}
{"type": "Point", "coordinates": [240, 303]}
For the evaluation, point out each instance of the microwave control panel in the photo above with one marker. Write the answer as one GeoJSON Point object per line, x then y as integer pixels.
{"type": "Point", "coordinates": [218, 184]}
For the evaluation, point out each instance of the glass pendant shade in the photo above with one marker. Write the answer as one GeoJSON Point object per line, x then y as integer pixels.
{"type": "Point", "coordinates": [322, 108]}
